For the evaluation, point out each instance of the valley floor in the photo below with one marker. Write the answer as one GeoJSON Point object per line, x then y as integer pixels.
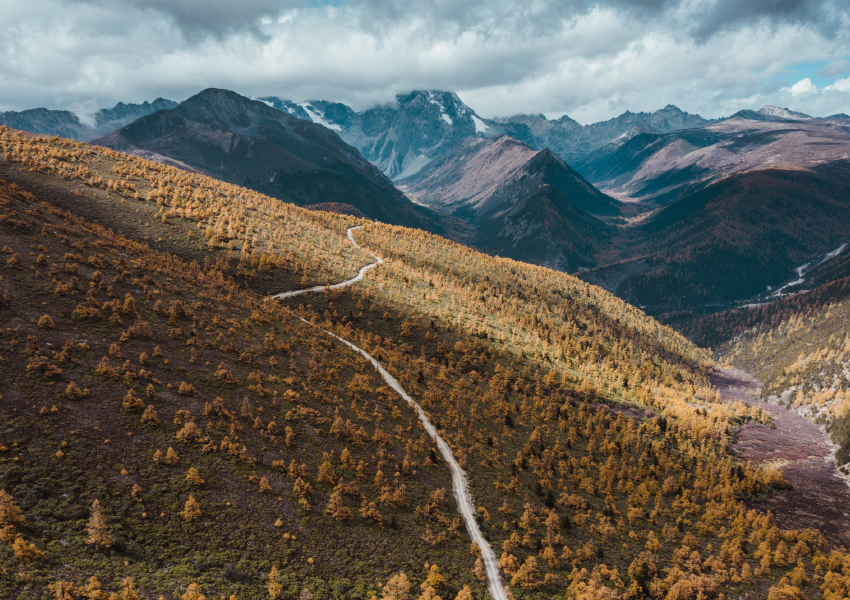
{"type": "Point", "coordinates": [820, 499]}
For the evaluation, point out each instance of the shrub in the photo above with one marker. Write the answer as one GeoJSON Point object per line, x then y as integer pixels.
{"type": "Point", "coordinates": [73, 392]}
{"type": "Point", "coordinates": [46, 322]}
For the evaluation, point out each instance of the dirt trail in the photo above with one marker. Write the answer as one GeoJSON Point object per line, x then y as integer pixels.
{"type": "Point", "coordinates": [460, 484]}
{"type": "Point", "coordinates": [341, 284]}
{"type": "Point", "coordinates": [820, 498]}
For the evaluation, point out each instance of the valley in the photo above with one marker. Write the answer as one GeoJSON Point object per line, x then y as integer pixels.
{"type": "Point", "coordinates": [818, 497]}
{"type": "Point", "coordinates": [171, 428]}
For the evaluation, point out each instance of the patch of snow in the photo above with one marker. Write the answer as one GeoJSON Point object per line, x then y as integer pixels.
{"type": "Point", "coordinates": [317, 118]}
{"type": "Point", "coordinates": [801, 270]}
{"type": "Point", "coordinates": [834, 253]}
{"type": "Point", "coordinates": [266, 102]}
{"type": "Point", "coordinates": [412, 166]}
{"type": "Point", "coordinates": [443, 114]}
{"type": "Point", "coordinates": [480, 126]}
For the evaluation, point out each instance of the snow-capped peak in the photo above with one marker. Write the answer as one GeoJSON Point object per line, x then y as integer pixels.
{"type": "Point", "coordinates": [317, 118]}
{"type": "Point", "coordinates": [782, 113]}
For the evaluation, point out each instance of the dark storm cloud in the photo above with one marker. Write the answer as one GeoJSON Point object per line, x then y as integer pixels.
{"type": "Point", "coordinates": [219, 18]}
{"type": "Point", "coordinates": [732, 14]}
{"type": "Point", "coordinates": [198, 18]}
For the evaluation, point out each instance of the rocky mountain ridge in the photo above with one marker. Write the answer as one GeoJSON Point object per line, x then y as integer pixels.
{"type": "Point", "coordinates": [68, 124]}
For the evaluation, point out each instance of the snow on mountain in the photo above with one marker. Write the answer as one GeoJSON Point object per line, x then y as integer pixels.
{"type": "Point", "coordinates": [782, 113]}
{"type": "Point", "coordinates": [317, 118]}
{"type": "Point", "coordinates": [480, 126]}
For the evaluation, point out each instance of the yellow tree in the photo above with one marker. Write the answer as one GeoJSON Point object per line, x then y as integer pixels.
{"type": "Point", "coordinates": [337, 509]}
{"type": "Point", "coordinates": [10, 516]}
{"type": "Point", "coordinates": [397, 587]}
{"type": "Point", "coordinates": [99, 534]}
{"type": "Point", "coordinates": [274, 586]}
{"type": "Point", "coordinates": [193, 592]}
{"type": "Point", "coordinates": [191, 510]}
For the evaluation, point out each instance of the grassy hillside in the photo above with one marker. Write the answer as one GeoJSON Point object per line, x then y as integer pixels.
{"type": "Point", "coordinates": [596, 452]}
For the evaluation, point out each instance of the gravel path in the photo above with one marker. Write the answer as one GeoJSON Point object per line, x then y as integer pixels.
{"type": "Point", "coordinates": [460, 484]}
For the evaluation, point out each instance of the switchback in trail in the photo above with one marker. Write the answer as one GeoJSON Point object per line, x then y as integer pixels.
{"type": "Point", "coordinates": [460, 484]}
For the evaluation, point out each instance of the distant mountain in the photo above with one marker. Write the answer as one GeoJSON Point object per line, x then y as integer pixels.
{"type": "Point", "coordinates": [522, 203]}
{"type": "Point", "coordinates": [771, 113]}
{"type": "Point", "coordinates": [730, 241]}
{"type": "Point", "coordinates": [665, 167]}
{"type": "Point", "coordinates": [67, 124]}
{"type": "Point", "coordinates": [248, 143]}
{"type": "Point", "coordinates": [570, 140]}
{"type": "Point", "coordinates": [402, 137]}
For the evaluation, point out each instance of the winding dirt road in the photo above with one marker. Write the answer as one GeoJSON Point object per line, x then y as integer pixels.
{"type": "Point", "coordinates": [341, 284]}
{"type": "Point", "coordinates": [820, 499]}
{"type": "Point", "coordinates": [460, 484]}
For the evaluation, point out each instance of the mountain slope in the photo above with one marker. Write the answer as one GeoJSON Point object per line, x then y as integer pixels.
{"type": "Point", "coordinates": [251, 144]}
{"type": "Point", "coordinates": [67, 124]}
{"type": "Point", "coordinates": [595, 450]}
{"type": "Point", "coordinates": [663, 168]}
{"type": "Point", "coordinates": [524, 204]}
{"type": "Point", "coordinates": [731, 241]}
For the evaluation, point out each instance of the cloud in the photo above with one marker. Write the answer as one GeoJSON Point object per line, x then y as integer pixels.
{"type": "Point", "coordinates": [841, 85]}
{"type": "Point", "coordinates": [197, 18]}
{"type": "Point", "coordinates": [591, 60]}
{"type": "Point", "coordinates": [730, 14]}
{"type": "Point", "coordinates": [804, 86]}
{"type": "Point", "coordinates": [836, 67]}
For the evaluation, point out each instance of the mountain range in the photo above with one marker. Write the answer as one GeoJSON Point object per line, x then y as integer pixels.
{"type": "Point", "coordinates": [402, 137]}
{"type": "Point", "coordinates": [67, 124]}
{"type": "Point", "coordinates": [663, 167]}
{"type": "Point", "coordinates": [246, 142]}
{"type": "Point", "coordinates": [209, 390]}
{"type": "Point", "coordinates": [673, 212]}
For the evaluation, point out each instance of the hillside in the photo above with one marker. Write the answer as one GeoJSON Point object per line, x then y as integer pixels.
{"type": "Point", "coordinates": [597, 455]}
{"type": "Point", "coordinates": [521, 203]}
{"type": "Point", "coordinates": [248, 143]}
{"type": "Point", "coordinates": [729, 242]}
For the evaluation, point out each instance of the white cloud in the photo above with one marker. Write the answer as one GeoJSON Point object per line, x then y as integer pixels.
{"type": "Point", "coordinates": [841, 85]}
{"type": "Point", "coordinates": [804, 86]}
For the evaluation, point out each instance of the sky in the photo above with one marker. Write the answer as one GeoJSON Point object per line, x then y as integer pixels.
{"type": "Point", "coordinates": [591, 60]}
